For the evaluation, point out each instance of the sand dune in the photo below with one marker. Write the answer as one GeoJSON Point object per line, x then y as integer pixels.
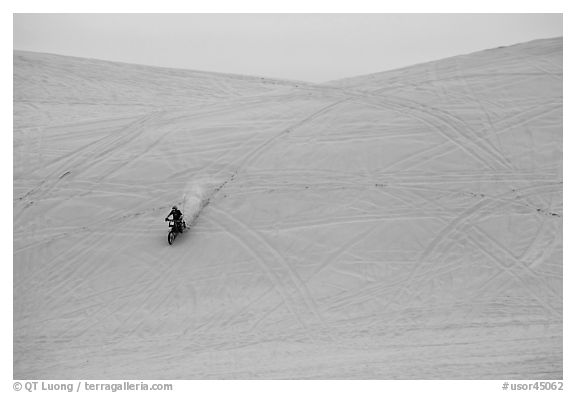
{"type": "Point", "coordinates": [400, 225]}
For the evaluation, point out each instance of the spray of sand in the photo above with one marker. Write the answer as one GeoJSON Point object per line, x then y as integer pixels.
{"type": "Point", "coordinates": [196, 196]}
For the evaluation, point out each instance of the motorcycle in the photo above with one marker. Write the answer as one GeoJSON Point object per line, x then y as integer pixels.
{"type": "Point", "coordinates": [175, 227]}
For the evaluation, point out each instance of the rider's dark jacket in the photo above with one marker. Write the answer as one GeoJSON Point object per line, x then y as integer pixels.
{"type": "Point", "coordinates": [176, 214]}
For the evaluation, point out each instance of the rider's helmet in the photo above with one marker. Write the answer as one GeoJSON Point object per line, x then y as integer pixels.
{"type": "Point", "coordinates": [174, 207]}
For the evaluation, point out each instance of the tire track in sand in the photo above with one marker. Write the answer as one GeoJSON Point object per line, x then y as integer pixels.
{"type": "Point", "coordinates": [250, 242]}
{"type": "Point", "coordinates": [452, 227]}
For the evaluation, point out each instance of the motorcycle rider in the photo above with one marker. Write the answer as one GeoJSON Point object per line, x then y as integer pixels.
{"type": "Point", "coordinates": [177, 217]}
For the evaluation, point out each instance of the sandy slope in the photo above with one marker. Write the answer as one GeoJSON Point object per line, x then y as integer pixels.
{"type": "Point", "coordinates": [398, 225]}
{"type": "Point", "coordinates": [52, 89]}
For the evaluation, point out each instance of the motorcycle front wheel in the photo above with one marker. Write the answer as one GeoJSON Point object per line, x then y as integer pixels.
{"type": "Point", "coordinates": [171, 237]}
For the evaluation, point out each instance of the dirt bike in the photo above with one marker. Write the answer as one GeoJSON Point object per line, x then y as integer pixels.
{"type": "Point", "coordinates": [176, 227]}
